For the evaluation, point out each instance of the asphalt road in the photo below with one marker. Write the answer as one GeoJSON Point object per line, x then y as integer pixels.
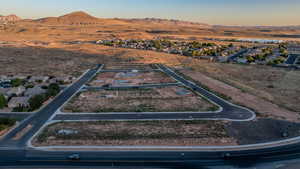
{"type": "Point", "coordinates": [291, 59]}
{"type": "Point", "coordinates": [236, 55]}
{"type": "Point", "coordinates": [18, 116]}
{"type": "Point", "coordinates": [34, 122]}
{"type": "Point", "coordinates": [230, 111]}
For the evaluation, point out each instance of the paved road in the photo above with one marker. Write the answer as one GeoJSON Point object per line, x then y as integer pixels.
{"type": "Point", "coordinates": [291, 59]}
{"type": "Point", "coordinates": [18, 116]}
{"type": "Point", "coordinates": [230, 111]}
{"type": "Point", "coordinates": [236, 55]}
{"type": "Point", "coordinates": [34, 122]}
{"type": "Point", "coordinates": [184, 158]}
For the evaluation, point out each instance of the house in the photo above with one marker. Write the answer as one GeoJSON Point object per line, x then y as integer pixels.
{"type": "Point", "coordinates": [16, 91]}
{"type": "Point", "coordinates": [34, 91]}
{"type": "Point", "coordinates": [4, 91]}
{"type": "Point", "coordinates": [18, 102]}
{"type": "Point", "coordinates": [241, 60]}
{"type": "Point", "coordinates": [38, 79]}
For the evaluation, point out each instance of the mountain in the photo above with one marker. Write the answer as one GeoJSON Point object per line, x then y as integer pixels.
{"type": "Point", "coordinates": [9, 18]}
{"type": "Point", "coordinates": [74, 18]}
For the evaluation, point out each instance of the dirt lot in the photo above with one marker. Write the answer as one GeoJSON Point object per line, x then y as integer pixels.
{"type": "Point", "coordinates": [272, 91]}
{"type": "Point", "coordinates": [147, 133]}
{"type": "Point", "coordinates": [127, 66]}
{"type": "Point", "coordinates": [166, 99]}
{"type": "Point", "coordinates": [130, 78]}
{"type": "Point", "coordinates": [169, 133]}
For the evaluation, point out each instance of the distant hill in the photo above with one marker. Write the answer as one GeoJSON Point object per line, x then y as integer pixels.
{"type": "Point", "coordinates": [167, 22]}
{"type": "Point", "coordinates": [75, 18]}
{"type": "Point", "coordinates": [9, 18]}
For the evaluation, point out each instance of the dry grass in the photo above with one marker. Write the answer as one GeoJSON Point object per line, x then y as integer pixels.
{"type": "Point", "coordinates": [266, 89]}
{"type": "Point", "coordinates": [137, 133]}
{"type": "Point", "coordinates": [163, 99]}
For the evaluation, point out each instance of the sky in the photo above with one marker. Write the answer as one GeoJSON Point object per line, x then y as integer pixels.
{"type": "Point", "coordinates": [216, 12]}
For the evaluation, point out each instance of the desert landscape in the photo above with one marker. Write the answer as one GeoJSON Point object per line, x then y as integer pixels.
{"type": "Point", "coordinates": [254, 67]}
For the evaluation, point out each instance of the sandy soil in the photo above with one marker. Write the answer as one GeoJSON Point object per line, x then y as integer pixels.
{"type": "Point", "coordinates": [164, 99]}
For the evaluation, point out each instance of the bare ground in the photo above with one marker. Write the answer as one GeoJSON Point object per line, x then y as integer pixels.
{"type": "Point", "coordinates": [139, 78]}
{"type": "Point", "coordinates": [150, 133]}
{"type": "Point", "coordinates": [164, 99]}
{"type": "Point", "coordinates": [271, 91]}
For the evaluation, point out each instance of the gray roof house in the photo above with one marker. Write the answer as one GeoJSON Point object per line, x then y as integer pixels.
{"type": "Point", "coordinates": [34, 91]}
{"type": "Point", "coordinates": [38, 78]}
{"type": "Point", "coordinates": [16, 91]}
{"type": "Point", "coordinates": [18, 102]}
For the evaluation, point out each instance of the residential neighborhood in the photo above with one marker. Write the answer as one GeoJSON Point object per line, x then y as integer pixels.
{"type": "Point", "coordinates": [264, 52]}
{"type": "Point", "coordinates": [28, 93]}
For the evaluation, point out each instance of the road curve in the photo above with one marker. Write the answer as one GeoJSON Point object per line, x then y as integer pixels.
{"type": "Point", "coordinates": [229, 110]}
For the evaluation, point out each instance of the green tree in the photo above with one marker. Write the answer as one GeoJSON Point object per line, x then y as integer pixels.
{"type": "Point", "coordinates": [53, 90]}
{"type": "Point", "coordinates": [36, 101]}
{"type": "Point", "coordinates": [16, 82]}
{"type": "Point", "coordinates": [250, 59]}
{"type": "Point", "coordinates": [3, 101]}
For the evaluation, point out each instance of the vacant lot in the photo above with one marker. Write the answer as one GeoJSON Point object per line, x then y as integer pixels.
{"type": "Point", "coordinates": [137, 133]}
{"type": "Point", "coordinates": [166, 99]}
{"type": "Point", "coordinates": [272, 91]}
{"type": "Point", "coordinates": [130, 78]}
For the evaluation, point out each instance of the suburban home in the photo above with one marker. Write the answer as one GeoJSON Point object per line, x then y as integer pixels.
{"type": "Point", "coordinates": [38, 79]}
{"type": "Point", "coordinates": [241, 60]}
{"type": "Point", "coordinates": [16, 91]}
{"type": "Point", "coordinates": [18, 102]}
{"type": "Point", "coordinates": [4, 91]}
{"type": "Point", "coordinates": [34, 91]}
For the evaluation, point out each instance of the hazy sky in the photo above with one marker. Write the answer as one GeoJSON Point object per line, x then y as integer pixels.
{"type": "Point", "coordinates": [228, 12]}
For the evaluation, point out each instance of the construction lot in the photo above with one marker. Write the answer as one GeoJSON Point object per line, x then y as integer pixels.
{"type": "Point", "coordinates": [132, 133]}
{"type": "Point", "coordinates": [162, 99]}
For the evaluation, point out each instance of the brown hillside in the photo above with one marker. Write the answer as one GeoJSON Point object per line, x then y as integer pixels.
{"type": "Point", "coordinates": [75, 18]}
{"type": "Point", "coordinates": [9, 18]}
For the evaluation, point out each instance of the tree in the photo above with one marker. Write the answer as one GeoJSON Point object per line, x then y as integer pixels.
{"type": "Point", "coordinates": [53, 90]}
{"type": "Point", "coordinates": [16, 82]}
{"type": "Point", "coordinates": [36, 101]}
{"type": "Point", "coordinates": [250, 59]}
{"type": "Point", "coordinates": [3, 101]}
